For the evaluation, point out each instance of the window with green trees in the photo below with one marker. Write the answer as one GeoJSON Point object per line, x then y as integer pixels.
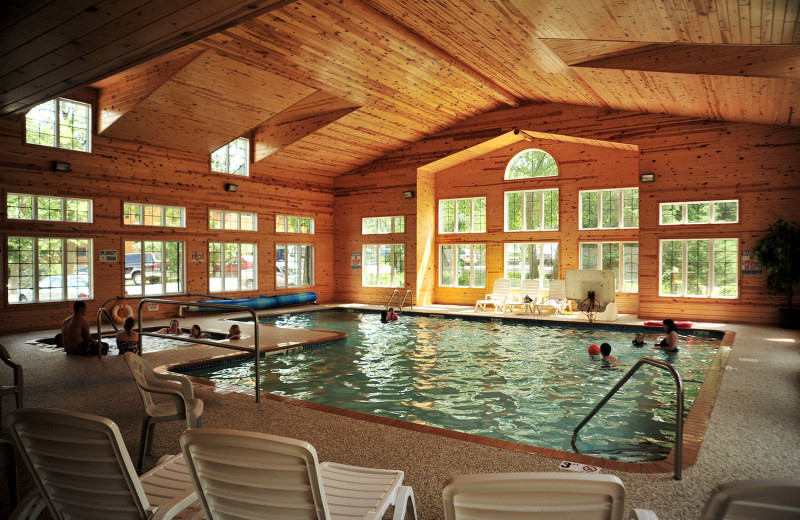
{"type": "Point", "coordinates": [531, 163]}
{"type": "Point", "coordinates": [233, 220]}
{"type": "Point", "coordinates": [231, 266]}
{"type": "Point", "coordinates": [534, 210]}
{"type": "Point", "coordinates": [232, 158]}
{"type": "Point", "coordinates": [531, 260]}
{"type": "Point", "coordinates": [382, 225]}
{"type": "Point", "coordinates": [135, 214]}
{"type": "Point", "coordinates": [707, 212]}
{"type": "Point", "coordinates": [60, 267]}
{"type": "Point", "coordinates": [620, 257]}
{"type": "Point", "coordinates": [60, 123]}
{"type": "Point", "coordinates": [41, 207]}
{"type": "Point", "coordinates": [289, 224]}
{"type": "Point", "coordinates": [609, 209]}
{"type": "Point", "coordinates": [462, 215]}
{"type": "Point", "coordinates": [383, 265]}
{"type": "Point", "coordinates": [462, 265]}
{"type": "Point", "coordinates": [700, 268]}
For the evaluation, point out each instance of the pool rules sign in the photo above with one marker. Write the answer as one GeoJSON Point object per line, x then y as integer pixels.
{"type": "Point", "coordinates": [580, 468]}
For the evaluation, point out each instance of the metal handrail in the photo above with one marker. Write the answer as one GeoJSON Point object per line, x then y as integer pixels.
{"type": "Point", "coordinates": [397, 292]}
{"type": "Point", "coordinates": [406, 295]}
{"type": "Point", "coordinates": [100, 313]}
{"type": "Point", "coordinates": [257, 350]}
{"type": "Point", "coordinates": [678, 412]}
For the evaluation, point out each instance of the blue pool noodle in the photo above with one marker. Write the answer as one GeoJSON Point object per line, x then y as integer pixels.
{"type": "Point", "coordinates": [260, 303]}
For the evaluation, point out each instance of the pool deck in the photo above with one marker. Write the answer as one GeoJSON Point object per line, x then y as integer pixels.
{"type": "Point", "coordinates": [751, 430]}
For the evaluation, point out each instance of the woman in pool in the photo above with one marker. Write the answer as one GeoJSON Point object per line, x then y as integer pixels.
{"type": "Point", "coordinates": [196, 332]}
{"type": "Point", "coordinates": [172, 329]}
{"type": "Point", "coordinates": [391, 315]}
{"type": "Point", "coordinates": [638, 341]}
{"type": "Point", "coordinates": [669, 343]}
{"type": "Point", "coordinates": [128, 339]}
{"type": "Point", "coordinates": [234, 332]}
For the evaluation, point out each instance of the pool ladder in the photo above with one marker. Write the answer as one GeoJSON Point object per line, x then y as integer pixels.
{"type": "Point", "coordinates": [678, 407]}
{"type": "Point", "coordinates": [400, 303]}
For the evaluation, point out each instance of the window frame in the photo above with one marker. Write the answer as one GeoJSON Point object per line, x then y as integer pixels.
{"type": "Point", "coordinates": [227, 152]}
{"type": "Point", "coordinates": [64, 201]}
{"type": "Point", "coordinates": [223, 263]}
{"type": "Point", "coordinates": [393, 275]}
{"type": "Point", "coordinates": [685, 212]}
{"type": "Point", "coordinates": [223, 220]}
{"type": "Point", "coordinates": [517, 155]}
{"type": "Point", "coordinates": [163, 269]}
{"type": "Point", "coordinates": [620, 283]}
{"type": "Point", "coordinates": [36, 268]}
{"type": "Point", "coordinates": [541, 193]}
{"type": "Point", "coordinates": [473, 220]}
{"type": "Point", "coordinates": [163, 211]}
{"type": "Point", "coordinates": [516, 283]}
{"type": "Point", "coordinates": [57, 125]}
{"type": "Point", "coordinates": [472, 267]}
{"type": "Point", "coordinates": [311, 264]}
{"type": "Point", "coordinates": [600, 210]}
{"type": "Point", "coordinates": [685, 271]}
{"type": "Point", "coordinates": [286, 220]}
{"type": "Point", "coordinates": [393, 225]}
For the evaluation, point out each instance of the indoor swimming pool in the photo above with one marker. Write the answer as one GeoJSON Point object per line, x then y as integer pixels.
{"type": "Point", "coordinates": [522, 382]}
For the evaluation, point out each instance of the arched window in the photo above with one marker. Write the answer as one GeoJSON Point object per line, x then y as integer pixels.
{"type": "Point", "coordinates": [531, 163]}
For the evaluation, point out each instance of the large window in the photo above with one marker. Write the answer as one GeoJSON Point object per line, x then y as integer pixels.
{"type": "Point", "coordinates": [231, 266]}
{"type": "Point", "coordinates": [153, 267]}
{"type": "Point", "coordinates": [462, 265]}
{"type": "Point", "coordinates": [135, 214]}
{"type": "Point", "coordinates": [700, 268]}
{"type": "Point", "coordinates": [709, 212]}
{"type": "Point", "coordinates": [610, 209]}
{"type": "Point", "coordinates": [55, 209]}
{"type": "Point", "coordinates": [535, 210]}
{"type": "Point", "coordinates": [60, 123]}
{"type": "Point", "coordinates": [234, 220]}
{"type": "Point", "coordinates": [294, 265]}
{"type": "Point", "coordinates": [61, 268]}
{"type": "Point", "coordinates": [383, 265]}
{"type": "Point", "coordinates": [382, 225]}
{"type": "Point", "coordinates": [620, 257]}
{"type": "Point", "coordinates": [531, 163]}
{"type": "Point", "coordinates": [288, 224]}
{"type": "Point", "coordinates": [462, 215]}
{"type": "Point", "coordinates": [232, 158]}
{"type": "Point", "coordinates": [532, 260]}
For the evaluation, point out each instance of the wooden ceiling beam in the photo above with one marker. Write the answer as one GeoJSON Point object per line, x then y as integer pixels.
{"type": "Point", "coordinates": [403, 33]}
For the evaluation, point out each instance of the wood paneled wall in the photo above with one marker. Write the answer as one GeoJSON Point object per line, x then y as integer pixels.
{"type": "Point", "coordinates": [692, 160]}
{"type": "Point", "coordinates": [119, 171]}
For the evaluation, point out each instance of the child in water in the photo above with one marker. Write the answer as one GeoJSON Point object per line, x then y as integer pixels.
{"type": "Point", "coordinates": [638, 341]}
{"type": "Point", "coordinates": [391, 315]}
{"type": "Point", "coordinates": [605, 350]}
{"type": "Point", "coordinates": [234, 332]}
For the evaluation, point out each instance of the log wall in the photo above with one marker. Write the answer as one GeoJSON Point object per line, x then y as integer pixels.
{"type": "Point", "coordinates": [117, 172]}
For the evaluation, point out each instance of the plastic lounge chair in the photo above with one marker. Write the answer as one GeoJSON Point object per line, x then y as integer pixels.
{"type": "Point", "coordinates": [773, 499]}
{"type": "Point", "coordinates": [16, 388]}
{"type": "Point", "coordinates": [557, 298]}
{"type": "Point", "coordinates": [527, 495]}
{"type": "Point", "coordinates": [82, 470]}
{"type": "Point", "coordinates": [266, 476]}
{"type": "Point", "coordinates": [498, 297]}
{"type": "Point", "coordinates": [530, 289]}
{"type": "Point", "coordinates": [181, 406]}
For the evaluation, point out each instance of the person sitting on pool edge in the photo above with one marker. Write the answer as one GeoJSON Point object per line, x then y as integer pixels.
{"type": "Point", "coordinates": [669, 343]}
{"type": "Point", "coordinates": [638, 341]}
{"type": "Point", "coordinates": [195, 332]}
{"type": "Point", "coordinates": [234, 332]}
{"type": "Point", "coordinates": [172, 329]}
{"type": "Point", "coordinates": [75, 336]}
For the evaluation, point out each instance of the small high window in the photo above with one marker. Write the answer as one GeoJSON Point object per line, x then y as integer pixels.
{"type": "Point", "coordinates": [531, 163]}
{"type": "Point", "coordinates": [219, 219]}
{"type": "Point", "coordinates": [60, 123]}
{"type": "Point", "coordinates": [382, 225]}
{"type": "Point", "coordinates": [41, 207]}
{"type": "Point", "coordinates": [135, 214]}
{"type": "Point", "coordinates": [706, 212]}
{"type": "Point", "coordinates": [288, 224]}
{"type": "Point", "coordinates": [232, 158]}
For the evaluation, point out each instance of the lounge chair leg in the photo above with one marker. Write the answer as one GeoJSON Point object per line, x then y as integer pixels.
{"type": "Point", "coordinates": [404, 495]}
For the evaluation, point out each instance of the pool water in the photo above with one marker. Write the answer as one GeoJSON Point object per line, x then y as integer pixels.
{"type": "Point", "coordinates": [519, 382]}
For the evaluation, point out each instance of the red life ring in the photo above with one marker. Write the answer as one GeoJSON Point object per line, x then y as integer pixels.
{"type": "Point", "coordinates": [118, 317]}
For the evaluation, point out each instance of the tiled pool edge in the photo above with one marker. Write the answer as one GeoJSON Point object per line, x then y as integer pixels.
{"type": "Point", "coordinates": [694, 427]}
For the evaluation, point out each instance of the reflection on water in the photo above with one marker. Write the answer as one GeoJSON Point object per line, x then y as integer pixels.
{"type": "Point", "coordinates": [522, 383]}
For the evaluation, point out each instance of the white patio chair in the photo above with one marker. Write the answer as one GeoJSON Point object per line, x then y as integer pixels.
{"type": "Point", "coordinates": [13, 389]}
{"type": "Point", "coordinates": [773, 499]}
{"type": "Point", "coordinates": [530, 495]}
{"type": "Point", "coordinates": [530, 289]}
{"type": "Point", "coordinates": [181, 405]}
{"type": "Point", "coordinates": [82, 470]}
{"type": "Point", "coordinates": [498, 297]}
{"type": "Point", "coordinates": [262, 476]}
{"type": "Point", "coordinates": [556, 299]}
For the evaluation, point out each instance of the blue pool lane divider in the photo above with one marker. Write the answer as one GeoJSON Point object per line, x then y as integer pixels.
{"type": "Point", "coordinates": [260, 303]}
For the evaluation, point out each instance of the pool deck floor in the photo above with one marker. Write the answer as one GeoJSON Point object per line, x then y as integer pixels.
{"type": "Point", "coordinates": [751, 430]}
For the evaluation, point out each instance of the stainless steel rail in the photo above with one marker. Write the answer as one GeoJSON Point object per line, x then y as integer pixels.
{"type": "Point", "coordinates": [256, 351]}
{"type": "Point", "coordinates": [406, 295]}
{"type": "Point", "coordinates": [678, 407]}
{"type": "Point", "coordinates": [397, 292]}
{"type": "Point", "coordinates": [100, 313]}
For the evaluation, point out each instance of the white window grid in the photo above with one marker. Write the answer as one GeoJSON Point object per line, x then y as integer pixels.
{"type": "Point", "coordinates": [712, 218]}
{"type": "Point", "coordinates": [684, 271]}
{"type": "Point", "coordinates": [474, 262]}
{"type": "Point", "coordinates": [477, 223]}
{"type": "Point", "coordinates": [383, 225]}
{"type": "Point", "coordinates": [232, 220]}
{"type": "Point", "coordinates": [625, 195]}
{"type": "Point", "coordinates": [33, 203]}
{"type": "Point", "coordinates": [541, 217]}
{"type": "Point", "coordinates": [626, 280]}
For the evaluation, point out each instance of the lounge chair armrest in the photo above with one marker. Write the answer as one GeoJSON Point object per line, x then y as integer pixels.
{"type": "Point", "coordinates": [29, 508]}
{"type": "Point", "coordinates": [642, 514]}
{"type": "Point", "coordinates": [401, 505]}
{"type": "Point", "coordinates": [186, 385]}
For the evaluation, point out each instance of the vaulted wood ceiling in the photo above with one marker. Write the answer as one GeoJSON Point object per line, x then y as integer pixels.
{"type": "Point", "coordinates": [330, 86]}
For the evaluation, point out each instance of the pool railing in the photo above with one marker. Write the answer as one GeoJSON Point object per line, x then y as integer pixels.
{"type": "Point", "coordinates": [257, 346]}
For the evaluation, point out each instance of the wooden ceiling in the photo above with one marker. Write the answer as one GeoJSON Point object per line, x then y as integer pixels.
{"type": "Point", "coordinates": [327, 86]}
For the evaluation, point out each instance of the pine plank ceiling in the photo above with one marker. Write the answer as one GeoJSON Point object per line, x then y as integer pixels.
{"type": "Point", "coordinates": [328, 86]}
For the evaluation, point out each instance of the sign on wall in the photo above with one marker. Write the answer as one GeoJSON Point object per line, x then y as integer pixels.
{"type": "Point", "coordinates": [749, 263]}
{"type": "Point", "coordinates": [108, 255]}
{"type": "Point", "coordinates": [355, 260]}
{"type": "Point", "coordinates": [198, 256]}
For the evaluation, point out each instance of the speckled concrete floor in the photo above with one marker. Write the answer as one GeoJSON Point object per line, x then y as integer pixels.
{"type": "Point", "coordinates": [753, 432]}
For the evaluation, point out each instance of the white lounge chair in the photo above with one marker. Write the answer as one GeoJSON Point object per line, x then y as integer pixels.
{"type": "Point", "coordinates": [262, 476]}
{"type": "Point", "coordinates": [498, 296]}
{"type": "Point", "coordinates": [556, 299]}
{"type": "Point", "coordinates": [181, 406]}
{"type": "Point", "coordinates": [82, 470]}
{"type": "Point", "coordinates": [527, 495]}
{"type": "Point", "coordinates": [530, 289]}
{"type": "Point", "coordinates": [773, 499]}
{"type": "Point", "coordinates": [16, 388]}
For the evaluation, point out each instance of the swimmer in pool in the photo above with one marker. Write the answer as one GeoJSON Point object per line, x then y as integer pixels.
{"type": "Point", "coordinates": [234, 332]}
{"type": "Point", "coordinates": [196, 332]}
{"type": "Point", "coordinates": [638, 341]}
{"type": "Point", "coordinates": [391, 315]}
{"type": "Point", "coordinates": [605, 350]}
{"type": "Point", "coordinates": [669, 343]}
{"type": "Point", "coordinates": [172, 329]}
